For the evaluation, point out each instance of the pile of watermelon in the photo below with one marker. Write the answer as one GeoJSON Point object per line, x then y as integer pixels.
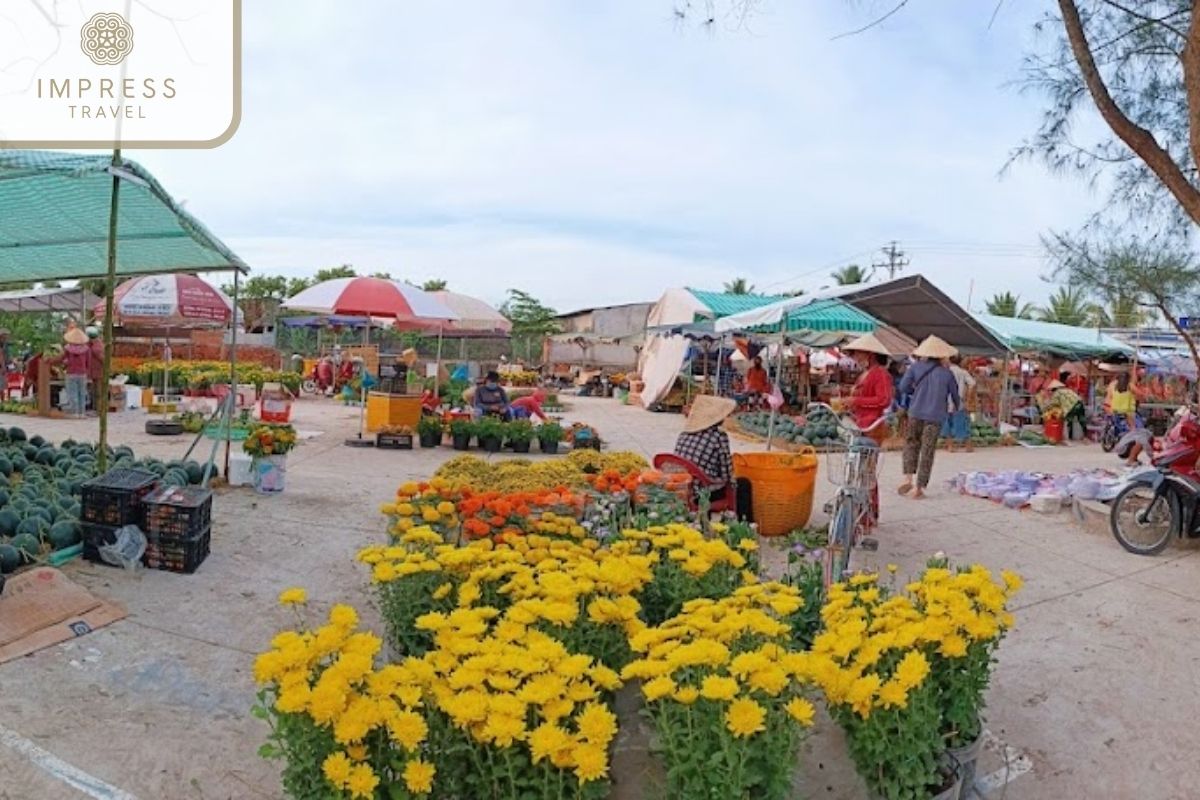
{"type": "Point", "coordinates": [40, 489]}
{"type": "Point", "coordinates": [819, 428]}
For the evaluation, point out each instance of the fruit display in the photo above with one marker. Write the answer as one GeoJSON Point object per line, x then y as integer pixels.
{"type": "Point", "coordinates": [41, 485]}
{"type": "Point", "coordinates": [1029, 436]}
{"type": "Point", "coordinates": [985, 434]}
{"type": "Point", "coordinates": [819, 429]}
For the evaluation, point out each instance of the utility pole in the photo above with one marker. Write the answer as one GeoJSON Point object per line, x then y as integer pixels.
{"type": "Point", "coordinates": [895, 260]}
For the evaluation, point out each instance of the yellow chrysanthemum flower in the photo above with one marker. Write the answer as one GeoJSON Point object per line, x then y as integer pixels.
{"type": "Point", "coordinates": [745, 718]}
{"type": "Point", "coordinates": [418, 776]}
{"type": "Point", "coordinates": [337, 769]}
{"type": "Point", "coordinates": [294, 596]}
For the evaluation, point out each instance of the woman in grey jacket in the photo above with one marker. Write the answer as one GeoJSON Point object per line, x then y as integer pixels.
{"type": "Point", "coordinates": [933, 391]}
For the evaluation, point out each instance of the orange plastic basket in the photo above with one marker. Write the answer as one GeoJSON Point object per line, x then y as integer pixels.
{"type": "Point", "coordinates": [781, 488]}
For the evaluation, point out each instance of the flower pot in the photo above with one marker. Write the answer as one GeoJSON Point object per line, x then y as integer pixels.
{"type": "Point", "coordinates": [462, 441]}
{"type": "Point", "coordinates": [269, 474]}
{"type": "Point", "coordinates": [967, 756]}
{"type": "Point", "coordinates": [550, 448]}
{"type": "Point", "coordinates": [520, 447]}
{"type": "Point", "coordinates": [491, 444]}
{"type": "Point", "coordinates": [430, 439]}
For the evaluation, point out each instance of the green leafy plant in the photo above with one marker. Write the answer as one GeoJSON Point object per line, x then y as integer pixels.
{"type": "Point", "coordinates": [489, 428]}
{"type": "Point", "coordinates": [519, 431]}
{"type": "Point", "coordinates": [463, 427]}
{"type": "Point", "coordinates": [550, 433]}
{"type": "Point", "coordinates": [429, 426]}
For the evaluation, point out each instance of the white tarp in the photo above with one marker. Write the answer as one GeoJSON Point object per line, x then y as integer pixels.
{"type": "Point", "coordinates": [676, 307]}
{"type": "Point", "coordinates": [661, 361]}
{"type": "Point", "coordinates": [772, 314]}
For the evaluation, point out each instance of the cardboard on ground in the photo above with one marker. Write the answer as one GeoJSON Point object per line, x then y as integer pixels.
{"type": "Point", "coordinates": [41, 607]}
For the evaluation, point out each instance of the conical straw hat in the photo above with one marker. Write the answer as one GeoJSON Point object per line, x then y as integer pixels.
{"type": "Point", "coordinates": [933, 347]}
{"type": "Point", "coordinates": [707, 411]}
{"type": "Point", "coordinates": [867, 344]}
{"type": "Point", "coordinates": [75, 336]}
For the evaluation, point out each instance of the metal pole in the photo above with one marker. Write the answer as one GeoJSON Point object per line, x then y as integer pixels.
{"type": "Point", "coordinates": [720, 358]}
{"type": "Point", "coordinates": [437, 374]}
{"type": "Point", "coordinates": [362, 384]}
{"type": "Point", "coordinates": [233, 381]}
{"type": "Point", "coordinates": [109, 283]}
{"type": "Point", "coordinates": [778, 379]}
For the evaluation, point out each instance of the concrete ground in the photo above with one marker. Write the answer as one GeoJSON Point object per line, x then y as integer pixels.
{"type": "Point", "coordinates": [1090, 694]}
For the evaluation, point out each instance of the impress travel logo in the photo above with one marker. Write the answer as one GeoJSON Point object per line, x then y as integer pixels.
{"type": "Point", "coordinates": [155, 73]}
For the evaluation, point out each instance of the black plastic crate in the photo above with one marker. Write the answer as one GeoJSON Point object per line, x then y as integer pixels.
{"type": "Point", "coordinates": [95, 535]}
{"type": "Point", "coordinates": [177, 554]}
{"type": "Point", "coordinates": [114, 498]}
{"type": "Point", "coordinates": [394, 441]}
{"type": "Point", "coordinates": [176, 511]}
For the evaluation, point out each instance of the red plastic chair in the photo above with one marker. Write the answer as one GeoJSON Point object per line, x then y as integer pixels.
{"type": "Point", "coordinates": [14, 386]}
{"type": "Point", "coordinates": [724, 501]}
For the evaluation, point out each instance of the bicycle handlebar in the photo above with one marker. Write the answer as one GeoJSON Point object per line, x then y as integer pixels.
{"type": "Point", "coordinates": [852, 428]}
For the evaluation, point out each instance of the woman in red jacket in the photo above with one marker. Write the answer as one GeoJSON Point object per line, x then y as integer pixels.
{"type": "Point", "coordinates": [872, 395]}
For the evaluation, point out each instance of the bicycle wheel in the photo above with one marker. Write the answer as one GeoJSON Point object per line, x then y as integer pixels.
{"type": "Point", "coordinates": [1108, 439]}
{"type": "Point", "coordinates": [841, 539]}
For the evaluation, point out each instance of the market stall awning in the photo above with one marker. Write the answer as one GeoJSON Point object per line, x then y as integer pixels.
{"type": "Point", "coordinates": [911, 305]}
{"type": "Point", "coordinates": [70, 300]}
{"type": "Point", "coordinates": [830, 316]}
{"type": "Point", "coordinates": [54, 215]}
{"type": "Point", "coordinates": [1067, 341]}
{"type": "Point", "coordinates": [474, 316]}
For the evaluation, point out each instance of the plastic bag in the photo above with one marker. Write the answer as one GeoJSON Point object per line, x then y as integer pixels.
{"type": "Point", "coordinates": [127, 550]}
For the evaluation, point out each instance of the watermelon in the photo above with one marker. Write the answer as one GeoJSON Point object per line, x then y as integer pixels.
{"type": "Point", "coordinates": [195, 472]}
{"type": "Point", "coordinates": [28, 547]}
{"type": "Point", "coordinates": [31, 526]}
{"type": "Point", "coordinates": [6, 466]}
{"type": "Point", "coordinates": [45, 456]}
{"type": "Point", "coordinates": [64, 534]}
{"type": "Point", "coordinates": [9, 520]}
{"type": "Point", "coordinates": [10, 558]}
{"type": "Point", "coordinates": [16, 435]}
{"type": "Point", "coordinates": [37, 441]}
{"type": "Point", "coordinates": [124, 452]}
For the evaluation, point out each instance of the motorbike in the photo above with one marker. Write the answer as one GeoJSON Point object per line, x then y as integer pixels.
{"type": "Point", "coordinates": [1163, 499]}
{"type": "Point", "coordinates": [1115, 427]}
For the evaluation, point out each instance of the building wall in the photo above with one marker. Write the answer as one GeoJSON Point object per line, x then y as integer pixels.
{"type": "Point", "coordinates": [621, 320]}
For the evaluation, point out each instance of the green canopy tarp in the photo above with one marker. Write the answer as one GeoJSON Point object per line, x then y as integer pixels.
{"type": "Point", "coordinates": [54, 215]}
{"type": "Point", "coordinates": [1066, 341]}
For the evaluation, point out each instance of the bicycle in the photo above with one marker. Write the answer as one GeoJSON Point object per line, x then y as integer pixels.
{"type": "Point", "coordinates": [850, 510]}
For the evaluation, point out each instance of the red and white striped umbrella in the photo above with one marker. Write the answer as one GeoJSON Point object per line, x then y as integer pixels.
{"type": "Point", "coordinates": [169, 301]}
{"type": "Point", "coordinates": [372, 297]}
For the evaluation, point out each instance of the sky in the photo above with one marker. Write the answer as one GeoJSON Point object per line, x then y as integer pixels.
{"type": "Point", "coordinates": [601, 152]}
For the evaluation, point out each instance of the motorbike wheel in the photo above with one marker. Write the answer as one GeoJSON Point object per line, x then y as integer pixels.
{"type": "Point", "coordinates": [310, 387]}
{"type": "Point", "coordinates": [1109, 439]}
{"type": "Point", "coordinates": [1141, 523]}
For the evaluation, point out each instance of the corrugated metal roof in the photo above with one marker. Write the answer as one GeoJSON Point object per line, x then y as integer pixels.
{"type": "Point", "coordinates": [722, 305]}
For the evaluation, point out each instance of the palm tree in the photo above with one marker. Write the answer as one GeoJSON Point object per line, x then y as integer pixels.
{"type": "Point", "coordinates": [739, 286]}
{"type": "Point", "coordinates": [1122, 311]}
{"type": "Point", "coordinates": [1067, 306]}
{"type": "Point", "coordinates": [1008, 304]}
{"type": "Point", "coordinates": [434, 285]}
{"type": "Point", "coordinates": [851, 273]}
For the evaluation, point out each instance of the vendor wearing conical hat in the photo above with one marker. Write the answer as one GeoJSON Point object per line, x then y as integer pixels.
{"type": "Point", "coordinates": [932, 391]}
{"type": "Point", "coordinates": [77, 356]}
{"type": "Point", "coordinates": [872, 394]}
{"type": "Point", "coordinates": [703, 442]}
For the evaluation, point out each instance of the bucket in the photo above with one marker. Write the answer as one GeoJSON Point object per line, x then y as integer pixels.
{"type": "Point", "coordinates": [967, 757]}
{"type": "Point", "coordinates": [1052, 429]}
{"type": "Point", "coordinates": [781, 488]}
{"type": "Point", "coordinates": [241, 470]}
{"type": "Point", "coordinates": [269, 474]}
